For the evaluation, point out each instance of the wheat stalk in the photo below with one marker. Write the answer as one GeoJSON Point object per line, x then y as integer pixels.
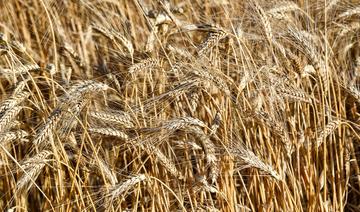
{"type": "Point", "coordinates": [67, 47]}
{"type": "Point", "coordinates": [190, 144]}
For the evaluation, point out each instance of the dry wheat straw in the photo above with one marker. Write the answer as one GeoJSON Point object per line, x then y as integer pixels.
{"type": "Point", "coordinates": [3, 38]}
{"type": "Point", "coordinates": [112, 35]}
{"type": "Point", "coordinates": [219, 82]}
{"type": "Point", "coordinates": [292, 93]}
{"type": "Point", "coordinates": [15, 124]}
{"type": "Point", "coordinates": [17, 45]}
{"type": "Point", "coordinates": [3, 50]}
{"type": "Point", "coordinates": [353, 27]}
{"type": "Point", "coordinates": [150, 43]}
{"type": "Point", "coordinates": [20, 86]}
{"type": "Point", "coordinates": [194, 100]}
{"type": "Point", "coordinates": [353, 91]}
{"type": "Point", "coordinates": [67, 46]}
{"type": "Point", "coordinates": [278, 127]}
{"type": "Point", "coordinates": [306, 41]}
{"type": "Point", "coordinates": [179, 51]}
{"type": "Point", "coordinates": [69, 120]}
{"type": "Point", "coordinates": [331, 4]}
{"type": "Point", "coordinates": [202, 183]}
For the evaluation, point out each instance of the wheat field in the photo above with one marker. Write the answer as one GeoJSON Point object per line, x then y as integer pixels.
{"type": "Point", "coordinates": [179, 105]}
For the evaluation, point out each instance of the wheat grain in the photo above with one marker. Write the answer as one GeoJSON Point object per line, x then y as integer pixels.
{"type": "Point", "coordinates": [194, 100]}
{"type": "Point", "coordinates": [68, 47]}
{"type": "Point", "coordinates": [295, 94]}
{"type": "Point", "coordinates": [203, 184]}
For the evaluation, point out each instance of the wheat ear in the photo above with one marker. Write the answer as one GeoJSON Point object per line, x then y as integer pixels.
{"type": "Point", "coordinates": [7, 117]}
{"type": "Point", "coordinates": [13, 101]}
{"type": "Point", "coordinates": [238, 151]}
{"type": "Point", "coordinates": [121, 118]}
{"type": "Point", "coordinates": [109, 132]}
{"type": "Point", "coordinates": [32, 167]}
